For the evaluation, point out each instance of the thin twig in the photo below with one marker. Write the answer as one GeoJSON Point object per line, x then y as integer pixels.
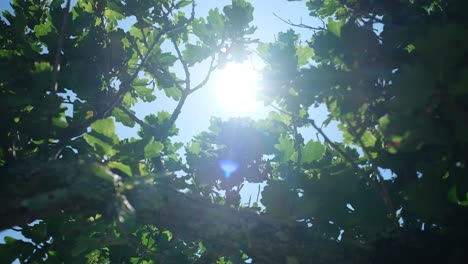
{"type": "Point", "coordinates": [335, 146]}
{"type": "Point", "coordinates": [207, 76]}
{"type": "Point", "coordinates": [135, 118]}
{"type": "Point", "coordinates": [184, 65]}
{"type": "Point", "coordinates": [300, 25]}
{"type": "Point", "coordinates": [180, 104]}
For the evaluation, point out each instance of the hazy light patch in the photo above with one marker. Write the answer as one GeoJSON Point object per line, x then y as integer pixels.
{"type": "Point", "coordinates": [236, 87]}
{"type": "Point", "coordinates": [228, 166]}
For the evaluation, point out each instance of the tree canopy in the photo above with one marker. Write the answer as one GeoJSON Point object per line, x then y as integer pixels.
{"type": "Point", "coordinates": [392, 74]}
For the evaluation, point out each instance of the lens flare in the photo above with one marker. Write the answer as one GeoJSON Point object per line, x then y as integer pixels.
{"type": "Point", "coordinates": [228, 166]}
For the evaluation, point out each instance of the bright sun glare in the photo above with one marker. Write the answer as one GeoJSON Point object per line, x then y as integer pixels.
{"type": "Point", "coordinates": [236, 88]}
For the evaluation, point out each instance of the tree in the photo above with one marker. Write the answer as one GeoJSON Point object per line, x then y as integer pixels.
{"type": "Point", "coordinates": [391, 73]}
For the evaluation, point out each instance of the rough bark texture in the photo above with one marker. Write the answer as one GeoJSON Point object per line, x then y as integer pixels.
{"type": "Point", "coordinates": [89, 188]}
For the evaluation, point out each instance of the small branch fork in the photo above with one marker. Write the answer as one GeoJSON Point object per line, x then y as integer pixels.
{"type": "Point", "coordinates": [185, 93]}
{"type": "Point", "coordinates": [175, 114]}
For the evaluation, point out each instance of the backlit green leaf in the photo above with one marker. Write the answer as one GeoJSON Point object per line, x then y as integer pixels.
{"type": "Point", "coordinates": [122, 117]}
{"type": "Point", "coordinates": [153, 149]}
{"type": "Point", "coordinates": [368, 139]}
{"type": "Point", "coordinates": [173, 93]}
{"type": "Point", "coordinates": [312, 151]}
{"type": "Point", "coordinates": [335, 26]}
{"type": "Point", "coordinates": [304, 54]}
{"type": "Point", "coordinates": [286, 148]}
{"type": "Point", "coordinates": [120, 166]}
{"type": "Point", "coordinates": [43, 29]}
{"type": "Point", "coordinates": [104, 127]}
{"type": "Point", "coordinates": [195, 53]}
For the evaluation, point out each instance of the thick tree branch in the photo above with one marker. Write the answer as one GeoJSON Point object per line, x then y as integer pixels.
{"type": "Point", "coordinates": [259, 236]}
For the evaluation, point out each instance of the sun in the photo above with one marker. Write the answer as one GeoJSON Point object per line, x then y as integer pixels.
{"type": "Point", "coordinates": [236, 87]}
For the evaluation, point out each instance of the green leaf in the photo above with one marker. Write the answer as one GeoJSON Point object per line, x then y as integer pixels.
{"type": "Point", "coordinates": [129, 100]}
{"type": "Point", "coordinates": [113, 15]}
{"type": "Point", "coordinates": [335, 26]}
{"type": "Point", "coordinates": [286, 148]}
{"type": "Point", "coordinates": [312, 151]}
{"type": "Point", "coordinates": [384, 121]}
{"type": "Point", "coordinates": [168, 235]}
{"type": "Point", "coordinates": [120, 166]}
{"type": "Point", "coordinates": [59, 122]}
{"type": "Point", "coordinates": [194, 148]}
{"type": "Point", "coordinates": [167, 59]}
{"type": "Point", "coordinates": [304, 54]}
{"type": "Point", "coordinates": [368, 139]}
{"type": "Point", "coordinates": [122, 117]}
{"type": "Point", "coordinates": [136, 32]}
{"type": "Point", "coordinates": [239, 15]}
{"type": "Point", "coordinates": [9, 240]}
{"type": "Point", "coordinates": [183, 3]}
{"type": "Point", "coordinates": [42, 66]}
{"type": "Point", "coordinates": [173, 93]}
{"type": "Point", "coordinates": [195, 53]}
{"type": "Point", "coordinates": [145, 94]}
{"type": "Point", "coordinates": [86, 6]}
{"type": "Point", "coordinates": [103, 137]}
{"type": "Point", "coordinates": [216, 21]}
{"type": "Point", "coordinates": [104, 127]}
{"type": "Point", "coordinates": [43, 29]}
{"type": "Point", "coordinates": [102, 146]}
{"type": "Point", "coordinates": [153, 149]}
{"type": "Point", "coordinates": [410, 48]}
{"type": "Point", "coordinates": [200, 29]}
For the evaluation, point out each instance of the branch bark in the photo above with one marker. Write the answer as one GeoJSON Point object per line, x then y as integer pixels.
{"type": "Point", "coordinates": [86, 190]}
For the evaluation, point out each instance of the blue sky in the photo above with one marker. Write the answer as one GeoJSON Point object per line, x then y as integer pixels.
{"type": "Point", "coordinates": [203, 104]}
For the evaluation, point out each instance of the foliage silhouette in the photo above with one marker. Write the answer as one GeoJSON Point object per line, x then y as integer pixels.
{"type": "Point", "coordinates": [393, 74]}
